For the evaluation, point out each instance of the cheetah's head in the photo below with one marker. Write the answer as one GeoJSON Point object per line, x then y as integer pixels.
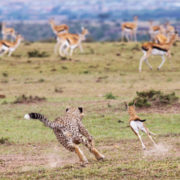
{"type": "Point", "coordinates": [75, 111]}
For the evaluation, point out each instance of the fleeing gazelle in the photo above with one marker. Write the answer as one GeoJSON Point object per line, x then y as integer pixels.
{"type": "Point", "coordinates": [58, 29]}
{"type": "Point", "coordinates": [71, 41]}
{"type": "Point", "coordinates": [7, 31]}
{"type": "Point", "coordinates": [150, 48]}
{"type": "Point", "coordinates": [6, 46]}
{"type": "Point", "coordinates": [136, 124]}
{"type": "Point", "coordinates": [129, 29]}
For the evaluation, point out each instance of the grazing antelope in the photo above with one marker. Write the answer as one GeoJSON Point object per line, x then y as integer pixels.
{"type": "Point", "coordinates": [154, 30]}
{"type": "Point", "coordinates": [129, 29]}
{"type": "Point", "coordinates": [7, 31]}
{"type": "Point", "coordinates": [150, 48]}
{"type": "Point", "coordinates": [6, 46]}
{"type": "Point", "coordinates": [58, 29]}
{"type": "Point", "coordinates": [170, 30]}
{"type": "Point", "coordinates": [71, 41]}
{"type": "Point", "coordinates": [161, 39]}
{"type": "Point", "coordinates": [136, 124]}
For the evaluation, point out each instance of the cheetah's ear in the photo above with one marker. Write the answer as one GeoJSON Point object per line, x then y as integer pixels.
{"type": "Point", "coordinates": [80, 109]}
{"type": "Point", "coordinates": [67, 109]}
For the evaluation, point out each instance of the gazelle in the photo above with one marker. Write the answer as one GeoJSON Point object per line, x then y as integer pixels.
{"type": "Point", "coordinates": [136, 124]}
{"type": "Point", "coordinates": [58, 29]}
{"type": "Point", "coordinates": [129, 29]}
{"type": "Point", "coordinates": [160, 39]}
{"type": "Point", "coordinates": [6, 46]}
{"type": "Point", "coordinates": [154, 30]}
{"type": "Point", "coordinates": [7, 31]}
{"type": "Point", "coordinates": [71, 41]}
{"type": "Point", "coordinates": [150, 48]}
{"type": "Point", "coordinates": [169, 29]}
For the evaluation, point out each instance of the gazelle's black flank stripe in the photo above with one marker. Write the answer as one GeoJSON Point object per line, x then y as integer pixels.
{"type": "Point", "coordinates": [127, 27]}
{"type": "Point", "coordinates": [145, 49]}
{"type": "Point", "coordinates": [68, 41]}
{"type": "Point", "coordinates": [4, 44]}
{"type": "Point", "coordinates": [155, 47]}
{"type": "Point", "coordinates": [44, 120]}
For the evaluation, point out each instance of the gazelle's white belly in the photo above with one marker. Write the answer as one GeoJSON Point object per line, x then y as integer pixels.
{"type": "Point", "coordinates": [5, 48]}
{"type": "Point", "coordinates": [158, 52]}
{"type": "Point", "coordinates": [137, 125]}
{"type": "Point", "coordinates": [128, 30]}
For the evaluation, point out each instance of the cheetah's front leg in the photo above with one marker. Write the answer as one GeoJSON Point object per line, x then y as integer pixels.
{"type": "Point", "coordinates": [81, 155]}
{"type": "Point", "coordinates": [92, 149]}
{"type": "Point", "coordinates": [97, 154]}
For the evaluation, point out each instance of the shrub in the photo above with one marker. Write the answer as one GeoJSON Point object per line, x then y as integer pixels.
{"type": "Point", "coordinates": [152, 97]}
{"type": "Point", "coordinates": [36, 53]}
{"type": "Point", "coordinates": [4, 140]}
{"type": "Point", "coordinates": [110, 96]}
{"type": "Point", "coordinates": [28, 99]}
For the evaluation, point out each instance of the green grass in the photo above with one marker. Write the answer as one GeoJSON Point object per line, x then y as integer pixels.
{"type": "Point", "coordinates": [86, 80]}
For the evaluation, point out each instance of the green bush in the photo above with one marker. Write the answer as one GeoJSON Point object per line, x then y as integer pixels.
{"type": "Point", "coordinates": [152, 97]}
{"type": "Point", "coordinates": [110, 96]}
{"type": "Point", "coordinates": [36, 53]}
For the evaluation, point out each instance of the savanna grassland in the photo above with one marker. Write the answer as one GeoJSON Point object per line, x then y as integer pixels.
{"type": "Point", "coordinates": [100, 79]}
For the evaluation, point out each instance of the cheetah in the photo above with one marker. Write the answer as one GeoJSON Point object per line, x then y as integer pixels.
{"type": "Point", "coordinates": [70, 131]}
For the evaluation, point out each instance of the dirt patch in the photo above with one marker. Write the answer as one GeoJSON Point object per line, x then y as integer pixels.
{"type": "Point", "coordinates": [28, 157]}
{"type": "Point", "coordinates": [2, 96]}
{"type": "Point", "coordinates": [174, 109]}
{"type": "Point", "coordinates": [35, 156]}
{"type": "Point", "coordinates": [23, 99]}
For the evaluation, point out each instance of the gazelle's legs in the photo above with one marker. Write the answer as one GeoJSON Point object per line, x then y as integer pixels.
{"type": "Point", "coordinates": [81, 48]}
{"type": "Point", "coordinates": [66, 50]}
{"type": "Point", "coordinates": [131, 36]}
{"type": "Point", "coordinates": [71, 50]}
{"type": "Point", "coordinates": [150, 132]}
{"type": "Point", "coordinates": [127, 36]}
{"type": "Point", "coordinates": [135, 129]}
{"type": "Point", "coordinates": [169, 54]}
{"type": "Point", "coordinates": [144, 129]}
{"type": "Point", "coordinates": [150, 137]}
{"type": "Point", "coordinates": [4, 52]}
{"type": "Point", "coordinates": [139, 136]}
{"type": "Point", "coordinates": [141, 61]}
{"type": "Point", "coordinates": [163, 61]}
{"type": "Point", "coordinates": [135, 36]}
{"type": "Point", "coordinates": [56, 46]}
{"type": "Point", "coordinates": [147, 62]}
{"type": "Point", "coordinates": [10, 52]}
{"type": "Point", "coordinates": [61, 49]}
{"type": "Point", "coordinates": [122, 35]}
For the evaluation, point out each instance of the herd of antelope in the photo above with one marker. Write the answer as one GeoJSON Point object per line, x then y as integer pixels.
{"type": "Point", "coordinates": [161, 39]}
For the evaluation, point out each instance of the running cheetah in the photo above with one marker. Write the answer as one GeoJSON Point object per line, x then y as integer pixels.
{"type": "Point", "coordinates": [70, 132]}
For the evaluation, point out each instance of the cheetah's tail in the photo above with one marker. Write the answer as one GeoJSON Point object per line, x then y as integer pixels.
{"type": "Point", "coordinates": [43, 119]}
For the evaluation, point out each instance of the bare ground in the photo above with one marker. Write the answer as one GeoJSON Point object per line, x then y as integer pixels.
{"type": "Point", "coordinates": [48, 156]}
